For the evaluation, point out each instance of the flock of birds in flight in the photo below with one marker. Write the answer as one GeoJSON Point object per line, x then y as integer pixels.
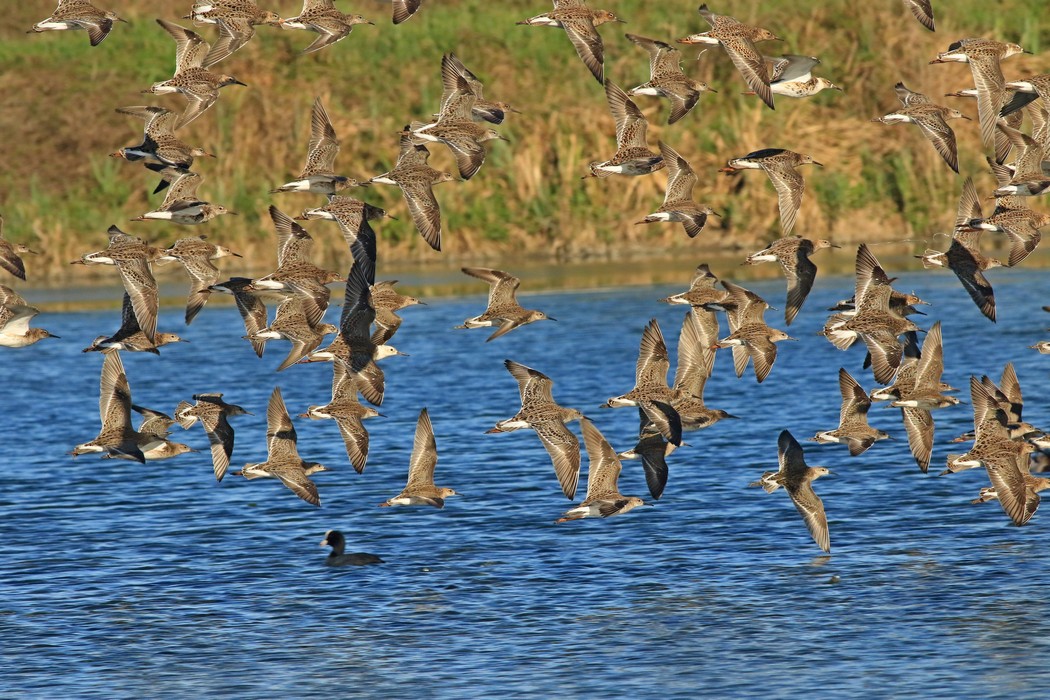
{"type": "Point", "coordinates": [876, 315]}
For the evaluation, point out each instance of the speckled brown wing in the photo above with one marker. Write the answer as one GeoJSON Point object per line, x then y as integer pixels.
{"type": "Point", "coordinates": [653, 360]}
{"type": "Point", "coordinates": [280, 433]}
{"type": "Point", "coordinates": [324, 145]}
{"type": "Point", "coordinates": [190, 48]}
{"type": "Point", "coordinates": [936, 130]}
{"type": "Point", "coordinates": [588, 44]}
{"type": "Point", "coordinates": [404, 9]}
{"type": "Point", "coordinates": [603, 468]}
{"type": "Point", "coordinates": [752, 66]}
{"type": "Point", "coordinates": [424, 453]}
{"type": "Point", "coordinates": [355, 438]}
{"type": "Point", "coordinates": [923, 11]}
{"type": "Point", "coordinates": [811, 508]}
{"type": "Point", "coordinates": [631, 125]}
{"type": "Point", "coordinates": [234, 32]}
{"type": "Point", "coordinates": [918, 423]}
{"type": "Point", "coordinates": [680, 175]}
{"type": "Point", "coordinates": [564, 451]}
{"type": "Point", "coordinates": [790, 186]}
{"type": "Point", "coordinates": [1007, 479]}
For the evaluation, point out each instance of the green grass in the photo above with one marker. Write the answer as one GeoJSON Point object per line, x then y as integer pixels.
{"type": "Point", "coordinates": [59, 189]}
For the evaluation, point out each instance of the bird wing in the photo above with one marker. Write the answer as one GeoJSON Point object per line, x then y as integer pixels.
{"type": "Point", "coordinates": [800, 278]}
{"type": "Point", "coordinates": [680, 175]}
{"type": "Point", "coordinates": [355, 437]}
{"type": "Point", "coordinates": [603, 468]}
{"type": "Point", "coordinates": [588, 44]}
{"type": "Point", "coordinates": [330, 29]}
{"type": "Point", "coordinates": [653, 360]}
{"type": "Point", "coordinates": [1007, 477]}
{"type": "Point", "coordinates": [200, 99]}
{"type": "Point", "coordinates": [811, 508]}
{"type": "Point", "coordinates": [750, 64]}
{"type": "Point", "coordinates": [220, 437]}
{"type": "Point", "coordinates": [234, 32]}
{"type": "Point", "coordinates": [564, 450]}
{"type": "Point", "coordinates": [855, 401]}
{"type": "Point", "coordinates": [533, 385]}
{"type": "Point", "coordinates": [424, 453]}
{"type": "Point", "coordinates": [280, 433]}
{"type": "Point", "coordinates": [300, 484]}
{"type": "Point", "coordinates": [695, 357]}
{"type": "Point", "coordinates": [937, 131]}
{"type": "Point", "coordinates": [425, 211]}
{"type": "Point", "coordinates": [324, 145]}
{"type": "Point", "coordinates": [141, 287]}
{"type": "Point", "coordinates": [190, 48]}
{"type": "Point", "coordinates": [918, 423]}
{"type": "Point", "coordinates": [991, 94]}
{"type": "Point", "coordinates": [931, 360]}
{"type": "Point", "coordinates": [790, 186]}
{"type": "Point", "coordinates": [293, 241]}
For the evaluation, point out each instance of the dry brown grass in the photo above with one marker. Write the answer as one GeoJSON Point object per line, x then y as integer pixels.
{"type": "Point", "coordinates": [59, 190]}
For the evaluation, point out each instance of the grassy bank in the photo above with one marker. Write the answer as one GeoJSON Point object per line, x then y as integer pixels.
{"type": "Point", "coordinates": [59, 190]}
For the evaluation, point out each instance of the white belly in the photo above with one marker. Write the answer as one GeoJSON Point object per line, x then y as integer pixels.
{"type": "Point", "coordinates": [702, 39]}
{"type": "Point", "coordinates": [55, 26]}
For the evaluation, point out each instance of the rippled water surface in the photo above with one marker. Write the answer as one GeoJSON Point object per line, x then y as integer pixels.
{"type": "Point", "coordinates": [122, 580]}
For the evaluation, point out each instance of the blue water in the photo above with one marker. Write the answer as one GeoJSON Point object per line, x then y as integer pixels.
{"type": "Point", "coordinates": [123, 580]}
